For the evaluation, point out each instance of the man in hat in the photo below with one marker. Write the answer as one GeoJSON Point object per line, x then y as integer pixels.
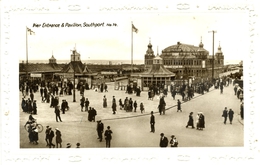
{"type": "Point", "coordinates": [230, 115]}
{"type": "Point", "coordinates": [163, 140]}
{"type": "Point", "coordinates": [152, 122]}
{"type": "Point", "coordinates": [190, 122]}
{"type": "Point", "coordinates": [63, 106]}
{"type": "Point", "coordinates": [58, 137]}
{"type": "Point", "coordinates": [108, 136]}
{"type": "Point", "coordinates": [179, 106]}
{"type": "Point", "coordinates": [225, 114]}
{"type": "Point", "coordinates": [57, 112]}
{"type": "Point", "coordinates": [47, 132]}
{"type": "Point", "coordinates": [100, 129]}
{"type": "Point", "coordinates": [51, 135]}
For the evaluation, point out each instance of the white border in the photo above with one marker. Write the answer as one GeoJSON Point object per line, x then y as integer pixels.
{"type": "Point", "coordinates": [248, 153]}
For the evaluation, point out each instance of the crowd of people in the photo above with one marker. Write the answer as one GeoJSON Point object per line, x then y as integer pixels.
{"type": "Point", "coordinates": [50, 94]}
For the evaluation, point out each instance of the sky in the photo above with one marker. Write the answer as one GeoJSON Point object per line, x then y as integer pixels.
{"type": "Point", "coordinates": [114, 43]}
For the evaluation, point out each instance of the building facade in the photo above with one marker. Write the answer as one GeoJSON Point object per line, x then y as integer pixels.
{"type": "Point", "coordinates": [188, 60]}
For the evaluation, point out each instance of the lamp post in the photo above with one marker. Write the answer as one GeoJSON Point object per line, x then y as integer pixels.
{"type": "Point", "coordinates": [74, 95]}
{"type": "Point", "coordinates": [213, 60]}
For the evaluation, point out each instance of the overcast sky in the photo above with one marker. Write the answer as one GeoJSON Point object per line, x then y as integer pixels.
{"type": "Point", "coordinates": [108, 43]}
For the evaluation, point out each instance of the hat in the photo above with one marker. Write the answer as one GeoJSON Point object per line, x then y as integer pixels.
{"type": "Point", "coordinates": [172, 136]}
{"type": "Point", "coordinates": [108, 127]}
{"type": "Point", "coordinates": [47, 126]}
{"type": "Point", "coordinates": [78, 144]}
{"type": "Point", "coordinates": [99, 121]}
{"type": "Point", "coordinates": [68, 145]}
{"type": "Point", "coordinates": [57, 128]}
{"type": "Point", "coordinates": [151, 112]}
{"type": "Point", "coordinates": [162, 134]}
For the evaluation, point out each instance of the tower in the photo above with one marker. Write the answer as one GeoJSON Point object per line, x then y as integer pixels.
{"type": "Point", "coordinates": [52, 60]}
{"type": "Point", "coordinates": [148, 58]}
{"type": "Point", "coordinates": [219, 56]}
{"type": "Point", "coordinates": [75, 54]}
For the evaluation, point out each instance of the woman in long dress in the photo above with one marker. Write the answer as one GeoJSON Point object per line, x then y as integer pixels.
{"type": "Point", "coordinates": [104, 102]}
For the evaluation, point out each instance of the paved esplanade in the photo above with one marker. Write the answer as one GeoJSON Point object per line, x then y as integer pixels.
{"type": "Point", "coordinates": [132, 129]}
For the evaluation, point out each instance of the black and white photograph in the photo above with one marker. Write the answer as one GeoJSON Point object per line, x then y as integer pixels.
{"type": "Point", "coordinates": [111, 77]}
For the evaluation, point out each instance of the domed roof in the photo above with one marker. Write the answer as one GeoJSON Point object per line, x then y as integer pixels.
{"type": "Point", "coordinates": [52, 58]}
{"type": "Point", "coordinates": [150, 50]}
{"type": "Point", "coordinates": [219, 49]}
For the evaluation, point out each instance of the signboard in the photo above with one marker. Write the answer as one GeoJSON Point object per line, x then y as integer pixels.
{"type": "Point", "coordinates": [175, 54]}
{"type": "Point", "coordinates": [36, 75]}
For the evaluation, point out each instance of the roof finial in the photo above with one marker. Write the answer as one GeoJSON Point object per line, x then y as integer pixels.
{"type": "Point", "coordinates": [157, 51]}
{"type": "Point", "coordinates": [149, 40]}
{"type": "Point", "coordinates": [200, 38]}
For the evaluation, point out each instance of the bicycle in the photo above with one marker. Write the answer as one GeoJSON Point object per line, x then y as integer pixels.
{"type": "Point", "coordinates": [28, 124]}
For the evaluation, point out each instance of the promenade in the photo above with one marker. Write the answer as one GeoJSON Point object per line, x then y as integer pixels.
{"type": "Point", "coordinates": [132, 129]}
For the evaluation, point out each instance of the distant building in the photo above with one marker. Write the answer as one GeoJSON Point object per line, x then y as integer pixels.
{"type": "Point", "coordinates": [187, 60]}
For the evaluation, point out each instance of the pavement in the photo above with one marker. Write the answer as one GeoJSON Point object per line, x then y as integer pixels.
{"type": "Point", "coordinates": [132, 129]}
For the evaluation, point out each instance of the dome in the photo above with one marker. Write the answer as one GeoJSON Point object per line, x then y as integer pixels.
{"type": "Point", "coordinates": [201, 44]}
{"type": "Point", "coordinates": [150, 50]}
{"type": "Point", "coordinates": [219, 49]}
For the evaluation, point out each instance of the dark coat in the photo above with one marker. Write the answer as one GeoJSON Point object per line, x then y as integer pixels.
{"type": "Point", "coordinates": [108, 135]}
{"type": "Point", "coordinates": [190, 122]}
{"type": "Point", "coordinates": [58, 136]}
{"type": "Point", "coordinates": [152, 119]}
{"type": "Point", "coordinates": [231, 114]}
{"type": "Point", "coordinates": [163, 142]}
{"type": "Point", "coordinates": [225, 113]}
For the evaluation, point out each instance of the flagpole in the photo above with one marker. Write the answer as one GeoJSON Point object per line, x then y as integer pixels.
{"type": "Point", "coordinates": [131, 47]}
{"type": "Point", "coordinates": [26, 53]}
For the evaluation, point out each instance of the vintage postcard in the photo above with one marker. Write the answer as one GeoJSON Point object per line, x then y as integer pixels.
{"type": "Point", "coordinates": [132, 77]}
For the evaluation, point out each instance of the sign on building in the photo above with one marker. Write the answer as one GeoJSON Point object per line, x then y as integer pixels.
{"type": "Point", "coordinates": [36, 75]}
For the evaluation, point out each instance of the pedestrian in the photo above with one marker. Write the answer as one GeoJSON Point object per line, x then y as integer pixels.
{"type": "Point", "coordinates": [142, 107]}
{"type": "Point", "coordinates": [23, 104]}
{"type": "Point", "coordinates": [225, 114]}
{"type": "Point", "coordinates": [104, 101]}
{"type": "Point", "coordinates": [174, 142]}
{"type": "Point", "coordinates": [105, 87]}
{"type": "Point", "coordinates": [179, 106]}
{"type": "Point", "coordinates": [114, 105]}
{"type": "Point", "coordinates": [78, 145]}
{"type": "Point", "coordinates": [242, 110]}
{"type": "Point", "coordinates": [197, 121]}
{"type": "Point", "coordinates": [162, 105]}
{"type": "Point", "coordinates": [190, 122]}
{"type": "Point", "coordinates": [201, 121]}
{"type": "Point", "coordinates": [130, 104]}
{"type": "Point", "coordinates": [135, 105]}
{"type": "Point", "coordinates": [68, 145]}
{"type": "Point", "coordinates": [108, 136]}
{"type": "Point", "coordinates": [86, 104]}
{"type": "Point", "coordinates": [51, 135]}
{"type": "Point", "coordinates": [57, 112]}
{"type": "Point", "coordinates": [90, 114]}
{"type": "Point", "coordinates": [121, 104]}
{"type": "Point", "coordinates": [230, 115]}
{"type": "Point", "coordinates": [58, 137]}
{"type": "Point", "coordinates": [34, 107]}
{"type": "Point", "coordinates": [35, 136]}
{"type": "Point", "coordinates": [93, 114]}
{"type": "Point", "coordinates": [221, 88]}
{"type": "Point", "coordinates": [163, 140]}
{"type": "Point", "coordinates": [63, 106]}
{"type": "Point", "coordinates": [100, 129]}
{"type": "Point", "coordinates": [82, 101]}
{"type": "Point", "coordinates": [47, 134]}
{"type": "Point", "coordinates": [32, 96]}
{"type": "Point", "coordinates": [152, 122]}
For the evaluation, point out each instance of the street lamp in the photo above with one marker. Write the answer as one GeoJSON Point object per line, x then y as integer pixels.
{"type": "Point", "coordinates": [74, 95]}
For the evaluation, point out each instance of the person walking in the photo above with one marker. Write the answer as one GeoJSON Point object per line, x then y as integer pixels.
{"type": "Point", "coordinates": [34, 107]}
{"type": "Point", "coordinates": [242, 110]}
{"type": "Point", "coordinates": [201, 121]}
{"type": "Point", "coordinates": [230, 115]}
{"type": "Point", "coordinates": [179, 106]}
{"type": "Point", "coordinates": [35, 136]}
{"type": "Point", "coordinates": [225, 115]}
{"type": "Point", "coordinates": [135, 105]}
{"type": "Point", "coordinates": [86, 104]}
{"type": "Point", "coordinates": [104, 101]}
{"type": "Point", "coordinates": [100, 129]}
{"type": "Point", "coordinates": [174, 142]}
{"type": "Point", "coordinates": [47, 134]}
{"type": "Point", "coordinates": [58, 137]}
{"type": "Point", "coordinates": [108, 137]}
{"type": "Point", "coordinates": [163, 140]}
{"type": "Point", "coordinates": [152, 122]}
{"type": "Point", "coordinates": [57, 112]}
{"type": "Point", "coordinates": [142, 107]}
{"type": "Point", "coordinates": [51, 135]}
{"type": "Point", "coordinates": [63, 106]}
{"type": "Point", "coordinates": [82, 101]}
{"type": "Point", "coordinates": [114, 107]}
{"type": "Point", "coordinates": [190, 122]}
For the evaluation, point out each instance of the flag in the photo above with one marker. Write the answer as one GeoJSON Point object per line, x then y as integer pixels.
{"type": "Point", "coordinates": [30, 32]}
{"type": "Point", "coordinates": [134, 29]}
